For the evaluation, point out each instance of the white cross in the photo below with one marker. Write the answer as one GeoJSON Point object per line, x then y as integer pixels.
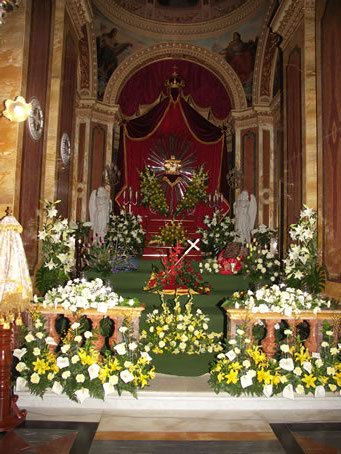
{"type": "Point", "coordinates": [193, 245]}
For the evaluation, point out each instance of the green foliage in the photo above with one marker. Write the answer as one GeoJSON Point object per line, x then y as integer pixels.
{"type": "Point", "coordinates": [152, 194]}
{"type": "Point", "coordinates": [46, 279]}
{"type": "Point", "coordinates": [99, 257]}
{"type": "Point", "coordinates": [196, 191]}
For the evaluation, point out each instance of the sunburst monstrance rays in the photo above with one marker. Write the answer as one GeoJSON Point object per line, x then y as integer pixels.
{"type": "Point", "coordinates": [173, 163]}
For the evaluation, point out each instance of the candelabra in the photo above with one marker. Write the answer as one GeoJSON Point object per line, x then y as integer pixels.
{"type": "Point", "coordinates": [130, 199]}
{"type": "Point", "coordinates": [215, 200]}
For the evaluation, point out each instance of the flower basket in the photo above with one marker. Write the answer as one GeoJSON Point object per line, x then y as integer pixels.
{"type": "Point", "coordinates": [182, 364]}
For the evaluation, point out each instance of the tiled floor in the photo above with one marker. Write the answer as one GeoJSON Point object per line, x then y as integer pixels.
{"type": "Point", "coordinates": [79, 429]}
{"type": "Point", "coordinates": [180, 433]}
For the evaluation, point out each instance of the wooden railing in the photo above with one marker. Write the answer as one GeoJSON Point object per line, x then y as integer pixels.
{"type": "Point", "coordinates": [243, 317]}
{"type": "Point", "coordinates": [117, 315]}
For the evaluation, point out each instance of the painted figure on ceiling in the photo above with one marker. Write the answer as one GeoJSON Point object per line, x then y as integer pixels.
{"type": "Point", "coordinates": [108, 50]}
{"type": "Point", "coordinates": [241, 56]}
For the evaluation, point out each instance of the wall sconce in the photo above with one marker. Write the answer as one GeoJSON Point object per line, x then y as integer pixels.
{"type": "Point", "coordinates": [17, 110]}
{"type": "Point", "coordinates": [7, 6]}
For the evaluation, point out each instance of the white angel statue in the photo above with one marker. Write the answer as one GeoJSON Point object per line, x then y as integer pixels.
{"type": "Point", "coordinates": [100, 206]}
{"type": "Point", "coordinates": [245, 210]}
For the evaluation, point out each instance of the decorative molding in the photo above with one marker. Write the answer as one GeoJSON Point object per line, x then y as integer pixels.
{"type": "Point", "coordinates": [84, 63]}
{"type": "Point", "coordinates": [244, 119]}
{"type": "Point", "coordinates": [269, 66]}
{"type": "Point", "coordinates": [88, 66]}
{"type": "Point", "coordinates": [80, 13]}
{"type": "Point", "coordinates": [261, 48]}
{"type": "Point", "coordinates": [91, 109]}
{"type": "Point", "coordinates": [93, 58]}
{"type": "Point", "coordinates": [287, 18]}
{"type": "Point", "coordinates": [212, 61]}
{"type": "Point", "coordinates": [310, 7]}
{"type": "Point", "coordinates": [133, 22]}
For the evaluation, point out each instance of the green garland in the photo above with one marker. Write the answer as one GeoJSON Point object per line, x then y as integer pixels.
{"type": "Point", "coordinates": [196, 191]}
{"type": "Point", "coordinates": [154, 197]}
{"type": "Point", "coordinates": [152, 193]}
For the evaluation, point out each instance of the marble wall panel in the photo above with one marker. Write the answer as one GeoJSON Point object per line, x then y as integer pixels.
{"type": "Point", "coordinates": [97, 156]}
{"type": "Point", "coordinates": [331, 137]}
{"type": "Point", "coordinates": [67, 115]}
{"type": "Point", "coordinates": [249, 164]}
{"type": "Point", "coordinates": [32, 154]}
{"type": "Point", "coordinates": [293, 163]}
{"type": "Point", "coordinates": [12, 46]}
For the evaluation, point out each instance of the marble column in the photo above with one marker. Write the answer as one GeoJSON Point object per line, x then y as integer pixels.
{"type": "Point", "coordinates": [13, 64]}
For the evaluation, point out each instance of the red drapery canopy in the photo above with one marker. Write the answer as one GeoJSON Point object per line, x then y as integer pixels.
{"type": "Point", "coordinates": [145, 86]}
{"type": "Point", "coordinates": [173, 115]}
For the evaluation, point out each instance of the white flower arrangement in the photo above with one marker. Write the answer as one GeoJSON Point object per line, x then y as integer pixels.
{"type": "Point", "coordinates": [261, 263]}
{"type": "Point", "coordinates": [125, 233]}
{"type": "Point", "coordinates": [209, 266]}
{"type": "Point", "coordinates": [264, 234]}
{"type": "Point", "coordinates": [301, 266]}
{"type": "Point", "coordinates": [58, 241]}
{"type": "Point", "coordinates": [175, 329]}
{"type": "Point", "coordinates": [81, 294]}
{"type": "Point", "coordinates": [279, 299]}
{"type": "Point", "coordinates": [218, 233]}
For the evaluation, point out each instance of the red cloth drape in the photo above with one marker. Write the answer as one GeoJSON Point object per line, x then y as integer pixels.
{"type": "Point", "coordinates": [177, 118]}
{"type": "Point", "coordinates": [145, 86]}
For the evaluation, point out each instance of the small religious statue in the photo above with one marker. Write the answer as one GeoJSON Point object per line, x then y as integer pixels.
{"type": "Point", "coordinates": [100, 207]}
{"type": "Point", "coordinates": [245, 210]}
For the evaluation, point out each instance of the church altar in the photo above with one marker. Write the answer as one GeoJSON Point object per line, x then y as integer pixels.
{"type": "Point", "coordinates": [174, 142]}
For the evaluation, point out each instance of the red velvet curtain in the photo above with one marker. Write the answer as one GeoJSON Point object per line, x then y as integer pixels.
{"type": "Point", "coordinates": [177, 118]}
{"type": "Point", "coordinates": [147, 84]}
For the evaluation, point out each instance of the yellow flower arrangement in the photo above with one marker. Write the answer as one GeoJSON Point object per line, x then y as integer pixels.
{"type": "Point", "coordinates": [244, 368]}
{"type": "Point", "coordinates": [78, 369]}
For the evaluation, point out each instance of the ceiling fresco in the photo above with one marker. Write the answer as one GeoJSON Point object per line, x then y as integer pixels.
{"type": "Point", "coordinates": [179, 11]}
{"type": "Point", "coordinates": [236, 44]}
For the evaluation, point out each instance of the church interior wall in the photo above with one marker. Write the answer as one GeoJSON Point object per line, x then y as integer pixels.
{"type": "Point", "coordinates": [66, 119]}
{"type": "Point", "coordinates": [33, 146]}
{"type": "Point", "coordinates": [13, 63]}
{"type": "Point", "coordinates": [36, 171]}
{"type": "Point", "coordinates": [329, 144]}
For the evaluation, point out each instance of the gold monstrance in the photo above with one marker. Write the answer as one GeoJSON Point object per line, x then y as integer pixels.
{"type": "Point", "coordinates": [172, 166]}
